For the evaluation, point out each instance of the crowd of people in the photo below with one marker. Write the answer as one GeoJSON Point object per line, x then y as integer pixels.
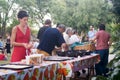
{"type": "Point", "coordinates": [59, 38]}
{"type": "Point", "coordinates": [5, 47]}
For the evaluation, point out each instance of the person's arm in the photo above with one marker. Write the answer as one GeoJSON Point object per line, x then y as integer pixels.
{"type": "Point", "coordinates": [13, 37]}
{"type": "Point", "coordinates": [110, 42]}
{"type": "Point", "coordinates": [94, 39]}
{"type": "Point", "coordinates": [64, 47]}
{"type": "Point", "coordinates": [61, 43]}
{"type": "Point", "coordinates": [30, 45]}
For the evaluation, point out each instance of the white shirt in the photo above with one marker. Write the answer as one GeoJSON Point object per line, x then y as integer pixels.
{"type": "Point", "coordinates": [74, 38]}
{"type": "Point", "coordinates": [66, 37]}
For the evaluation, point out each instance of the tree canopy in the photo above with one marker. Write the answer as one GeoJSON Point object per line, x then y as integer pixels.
{"type": "Point", "coordinates": [78, 14]}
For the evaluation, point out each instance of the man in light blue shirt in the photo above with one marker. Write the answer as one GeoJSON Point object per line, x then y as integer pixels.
{"type": "Point", "coordinates": [1, 45]}
{"type": "Point", "coordinates": [91, 33]}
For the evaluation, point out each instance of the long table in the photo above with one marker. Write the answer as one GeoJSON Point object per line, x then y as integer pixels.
{"type": "Point", "coordinates": [44, 71]}
{"type": "Point", "coordinates": [71, 66]}
{"type": "Point", "coordinates": [50, 70]}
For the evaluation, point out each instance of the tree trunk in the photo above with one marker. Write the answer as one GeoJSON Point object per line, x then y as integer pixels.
{"type": "Point", "coordinates": [3, 28]}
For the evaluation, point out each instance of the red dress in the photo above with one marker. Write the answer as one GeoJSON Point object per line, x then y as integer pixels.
{"type": "Point", "coordinates": [19, 52]}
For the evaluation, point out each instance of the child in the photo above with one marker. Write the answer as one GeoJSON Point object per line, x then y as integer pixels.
{"type": "Point", "coordinates": [3, 56]}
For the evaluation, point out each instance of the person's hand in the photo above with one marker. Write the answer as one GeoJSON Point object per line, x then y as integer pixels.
{"type": "Point", "coordinates": [29, 46]}
{"type": "Point", "coordinates": [25, 45]}
{"type": "Point", "coordinates": [64, 47]}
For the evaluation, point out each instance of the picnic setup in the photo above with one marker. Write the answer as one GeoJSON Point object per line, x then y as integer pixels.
{"type": "Point", "coordinates": [59, 40]}
{"type": "Point", "coordinates": [58, 67]}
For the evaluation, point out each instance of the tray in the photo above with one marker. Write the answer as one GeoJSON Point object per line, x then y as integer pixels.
{"type": "Point", "coordinates": [15, 66]}
{"type": "Point", "coordinates": [57, 58]}
{"type": "Point", "coordinates": [73, 53]}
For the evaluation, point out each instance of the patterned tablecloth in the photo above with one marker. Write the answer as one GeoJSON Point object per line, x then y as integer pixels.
{"type": "Point", "coordinates": [66, 68]}
{"type": "Point", "coordinates": [50, 70]}
{"type": "Point", "coordinates": [45, 71]}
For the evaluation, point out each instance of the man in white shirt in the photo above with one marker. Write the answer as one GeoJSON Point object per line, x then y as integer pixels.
{"type": "Point", "coordinates": [67, 35]}
{"type": "Point", "coordinates": [74, 38]}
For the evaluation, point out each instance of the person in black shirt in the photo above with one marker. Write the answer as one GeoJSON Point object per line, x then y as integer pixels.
{"type": "Point", "coordinates": [52, 37]}
{"type": "Point", "coordinates": [42, 29]}
{"type": "Point", "coordinates": [7, 47]}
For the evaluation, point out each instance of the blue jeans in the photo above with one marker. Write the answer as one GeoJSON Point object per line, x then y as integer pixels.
{"type": "Point", "coordinates": [101, 66]}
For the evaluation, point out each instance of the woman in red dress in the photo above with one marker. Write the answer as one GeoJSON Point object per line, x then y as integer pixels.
{"type": "Point", "coordinates": [20, 38]}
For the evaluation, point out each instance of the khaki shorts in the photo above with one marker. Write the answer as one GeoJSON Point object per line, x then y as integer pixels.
{"type": "Point", "coordinates": [42, 52]}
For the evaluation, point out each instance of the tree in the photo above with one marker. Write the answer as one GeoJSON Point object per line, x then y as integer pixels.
{"type": "Point", "coordinates": [114, 27]}
{"type": "Point", "coordinates": [81, 13]}
{"type": "Point", "coordinates": [5, 8]}
{"type": "Point", "coordinates": [116, 9]}
{"type": "Point", "coordinates": [37, 9]}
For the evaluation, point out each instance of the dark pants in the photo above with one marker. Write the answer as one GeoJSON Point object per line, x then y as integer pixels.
{"type": "Point", "coordinates": [101, 66]}
{"type": "Point", "coordinates": [8, 48]}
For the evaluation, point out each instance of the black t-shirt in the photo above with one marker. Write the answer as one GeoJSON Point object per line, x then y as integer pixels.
{"type": "Point", "coordinates": [51, 38]}
{"type": "Point", "coordinates": [41, 31]}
